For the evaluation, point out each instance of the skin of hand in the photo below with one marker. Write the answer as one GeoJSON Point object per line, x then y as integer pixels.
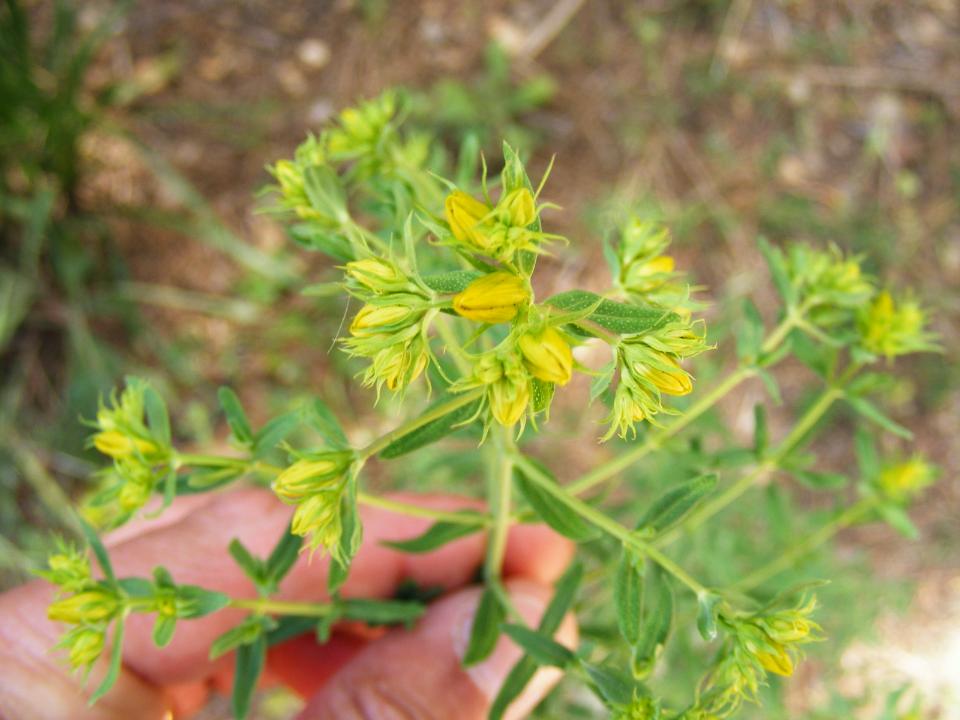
{"type": "Point", "coordinates": [359, 674]}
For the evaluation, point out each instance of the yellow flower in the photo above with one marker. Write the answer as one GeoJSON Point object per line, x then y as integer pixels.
{"type": "Point", "coordinates": [493, 298]}
{"type": "Point", "coordinates": [509, 397]}
{"type": "Point", "coordinates": [672, 381]}
{"type": "Point", "coordinates": [318, 517]}
{"type": "Point", "coordinates": [310, 476]}
{"type": "Point", "coordinates": [547, 356]}
{"type": "Point", "coordinates": [375, 274]}
{"type": "Point", "coordinates": [118, 445]}
{"type": "Point", "coordinates": [892, 329]}
{"type": "Point", "coordinates": [89, 606]}
{"type": "Point", "coordinates": [902, 481]}
{"type": "Point", "coordinates": [466, 217]}
{"type": "Point", "coordinates": [778, 661]}
{"type": "Point", "coordinates": [376, 317]}
{"type": "Point", "coordinates": [85, 644]}
{"type": "Point", "coordinates": [518, 208]}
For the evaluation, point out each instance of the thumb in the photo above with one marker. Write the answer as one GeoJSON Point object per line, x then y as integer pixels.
{"type": "Point", "coordinates": [417, 675]}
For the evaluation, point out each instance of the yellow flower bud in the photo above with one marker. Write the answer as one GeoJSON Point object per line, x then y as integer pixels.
{"type": "Point", "coordinates": [493, 298]}
{"type": "Point", "coordinates": [319, 517]}
{"type": "Point", "coordinates": [376, 317]}
{"type": "Point", "coordinates": [85, 645]}
{"type": "Point", "coordinates": [777, 662]}
{"type": "Point", "coordinates": [310, 476]}
{"type": "Point", "coordinates": [118, 445]}
{"type": "Point", "coordinates": [89, 606]}
{"type": "Point", "coordinates": [518, 208]}
{"type": "Point", "coordinates": [902, 481]}
{"type": "Point", "coordinates": [661, 264]}
{"type": "Point", "coordinates": [509, 400]}
{"type": "Point", "coordinates": [374, 273]}
{"type": "Point", "coordinates": [547, 355]}
{"type": "Point", "coordinates": [671, 382]}
{"type": "Point", "coordinates": [466, 216]}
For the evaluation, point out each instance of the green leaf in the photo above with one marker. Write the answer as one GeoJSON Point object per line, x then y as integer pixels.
{"type": "Point", "coordinates": [485, 629]}
{"type": "Point", "coordinates": [282, 558]}
{"type": "Point", "coordinates": [275, 431]}
{"type": "Point", "coordinates": [613, 316]}
{"type": "Point", "coordinates": [438, 535]}
{"type": "Point", "coordinates": [157, 417]}
{"type": "Point", "coordinates": [707, 606]}
{"type": "Point", "coordinates": [163, 630]}
{"type": "Point", "coordinates": [325, 191]}
{"type": "Point", "coordinates": [867, 458]}
{"type": "Point", "coordinates": [103, 559]}
{"type": "Point", "coordinates": [602, 380]}
{"type": "Point", "coordinates": [136, 587]}
{"type": "Point", "coordinates": [250, 661]}
{"type": "Point", "coordinates": [761, 436]}
{"type": "Point", "coordinates": [517, 679]}
{"type": "Point", "coordinates": [897, 518]}
{"type": "Point", "coordinates": [773, 388]}
{"type": "Point", "coordinates": [541, 395]}
{"type": "Point", "coordinates": [564, 593]}
{"type": "Point", "coordinates": [873, 414]}
{"type": "Point", "coordinates": [448, 283]}
{"type": "Point", "coordinates": [628, 597]}
{"type": "Point", "coordinates": [613, 685]}
{"type": "Point", "coordinates": [544, 650]}
{"type": "Point", "coordinates": [657, 621]}
{"type": "Point", "coordinates": [116, 658]}
{"type": "Point", "coordinates": [432, 431]}
{"type": "Point", "coordinates": [252, 567]}
{"type": "Point", "coordinates": [290, 626]}
{"type": "Point", "coordinates": [381, 612]}
{"type": "Point", "coordinates": [820, 480]}
{"type": "Point", "coordinates": [243, 634]}
{"type": "Point", "coordinates": [778, 271]}
{"type": "Point", "coordinates": [315, 237]}
{"type": "Point", "coordinates": [201, 601]}
{"type": "Point", "coordinates": [321, 418]}
{"type": "Point", "coordinates": [552, 511]}
{"type": "Point", "coordinates": [670, 508]}
{"type": "Point", "coordinates": [236, 417]}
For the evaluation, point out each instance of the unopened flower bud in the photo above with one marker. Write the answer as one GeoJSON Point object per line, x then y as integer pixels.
{"type": "Point", "coordinates": [493, 298]}
{"type": "Point", "coordinates": [85, 645]}
{"type": "Point", "coordinates": [903, 481]}
{"type": "Point", "coordinates": [318, 516]}
{"type": "Point", "coordinates": [517, 208]}
{"type": "Point", "coordinates": [547, 356]}
{"type": "Point", "coordinates": [374, 318]}
{"type": "Point", "coordinates": [320, 473]}
{"type": "Point", "coordinates": [89, 606]}
{"type": "Point", "coordinates": [777, 661]}
{"type": "Point", "coordinates": [467, 219]}
{"type": "Point", "coordinates": [116, 444]}
{"type": "Point", "coordinates": [376, 274]}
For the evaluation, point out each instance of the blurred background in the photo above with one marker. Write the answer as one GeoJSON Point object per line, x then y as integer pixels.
{"type": "Point", "coordinates": [133, 140]}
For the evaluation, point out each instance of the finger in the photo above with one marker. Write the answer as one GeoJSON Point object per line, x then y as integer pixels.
{"type": "Point", "coordinates": [418, 673]}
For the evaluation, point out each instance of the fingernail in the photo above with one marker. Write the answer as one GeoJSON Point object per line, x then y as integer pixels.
{"type": "Point", "coordinates": [490, 674]}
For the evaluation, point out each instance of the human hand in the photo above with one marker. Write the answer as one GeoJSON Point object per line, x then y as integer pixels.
{"type": "Point", "coordinates": [358, 674]}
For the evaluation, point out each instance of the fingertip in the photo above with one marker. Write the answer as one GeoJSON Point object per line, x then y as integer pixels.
{"type": "Point", "coordinates": [538, 553]}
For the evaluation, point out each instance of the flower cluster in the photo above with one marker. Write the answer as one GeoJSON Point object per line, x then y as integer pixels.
{"type": "Point", "coordinates": [889, 328]}
{"type": "Point", "coordinates": [645, 273]}
{"type": "Point", "coordinates": [903, 481]}
{"type": "Point", "coordinates": [757, 644]}
{"type": "Point", "coordinates": [315, 484]}
{"type": "Point", "coordinates": [84, 603]}
{"type": "Point", "coordinates": [141, 454]}
{"type": "Point", "coordinates": [649, 367]}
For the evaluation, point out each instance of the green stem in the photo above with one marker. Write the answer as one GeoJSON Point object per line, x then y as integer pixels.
{"type": "Point", "coordinates": [419, 511]}
{"type": "Point", "coordinates": [453, 345]}
{"type": "Point", "coordinates": [428, 417]}
{"type": "Point", "coordinates": [710, 508]}
{"type": "Point", "coordinates": [607, 524]}
{"type": "Point", "coordinates": [209, 460]}
{"type": "Point", "coordinates": [499, 496]}
{"type": "Point", "coordinates": [281, 607]}
{"type": "Point", "coordinates": [811, 542]}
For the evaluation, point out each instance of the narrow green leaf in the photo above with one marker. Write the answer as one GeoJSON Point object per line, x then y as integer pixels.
{"type": "Point", "coordinates": [518, 678]}
{"type": "Point", "coordinates": [778, 271]}
{"type": "Point", "coordinates": [432, 431]}
{"type": "Point", "coordinates": [290, 626]}
{"type": "Point", "coordinates": [761, 435]}
{"type": "Point", "coordinates": [136, 587]}
{"type": "Point", "coordinates": [437, 535]}
{"type": "Point", "coordinates": [201, 601]}
{"type": "Point", "coordinates": [252, 567]}
{"type": "Point", "coordinates": [750, 336]}
{"type": "Point", "coordinates": [275, 431]}
{"type": "Point", "coordinates": [870, 411]}
{"type": "Point", "coordinates": [628, 597]}
{"type": "Point", "coordinates": [657, 622]}
{"type": "Point", "coordinates": [544, 650]}
{"type": "Point", "coordinates": [773, 388]}
{"type": "Point", "coordinates": [541, 394]}
{"type": "Point", "coordinates": [236, 417]}
{"type": "Point", "coordinates": [448, 283]}
{"type": "Point", "coordinates": [564, 593]}
{"type": "Point", "coordinates": [243, 634]}
{"type": "Point", "coordinates": [315, 237]}
{"type": "Point", "coordinates": [103, 559]}
{"type": "Point", "coordinates": [282, 557]}
{"type": "Point", "coordinates": [552, 511]}
{"type": "Point", "coordinates": [867, 458]}
{"type": "Point", "coordinates": [670, 507]}
{"type": "Point", "coordinates": [250, 661]}
{"type": "Point", "coordinates": [613, 685]}
{"type": "Point", "coordinates": [820, 480]}
{"type": "Point", "coordinates": [381, 612]}
{"type": "Point", "coordinates": [116, 658]}
{"type": "Point", "coordinates": [707, 606]}
{"type": "Point", "coordinates": [157, 417]}
{"type": "Point", "coordinates": [602, 381]}
{"type": "Point", "coordinates": [898, 519]}
{"type": "Point", "coordinates": [321, 418]}
{"type": "Point", "coordinates": [163, 630]}
{"type": "Point", "coordinates": [485, 629]}
{"type": "Point", "coordinates": [613, 316]}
